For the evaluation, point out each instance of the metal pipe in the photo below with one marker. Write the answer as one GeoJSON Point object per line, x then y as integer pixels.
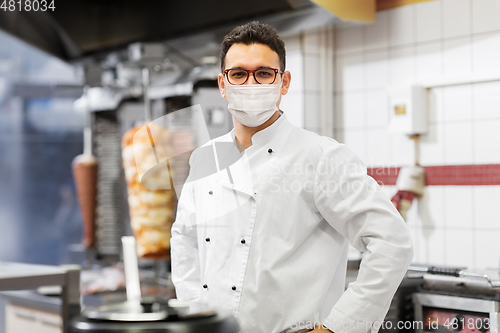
{"type": "Point", "coordinates": [87, 131]}
{"type": "Point", "coordinates": [145, 85]}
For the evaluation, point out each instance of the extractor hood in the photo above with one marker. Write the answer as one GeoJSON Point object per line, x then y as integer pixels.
{"type": "Point", "coordinates": [76, 29]}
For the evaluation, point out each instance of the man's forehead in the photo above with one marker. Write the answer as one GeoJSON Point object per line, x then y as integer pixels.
{"type": "Point", "coordinates": [255, 55]}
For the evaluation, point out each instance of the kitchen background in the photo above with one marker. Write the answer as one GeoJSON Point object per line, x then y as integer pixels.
{"type": "Point", "coordinates": [39, 136]}
{"type": "Point", "coordinates": [340, 75]}
{"type": "Point", "coordinates": [455, 225]}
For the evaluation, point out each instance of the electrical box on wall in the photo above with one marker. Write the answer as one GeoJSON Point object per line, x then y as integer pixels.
{"type": "Point", "coordinates": [408, 110]}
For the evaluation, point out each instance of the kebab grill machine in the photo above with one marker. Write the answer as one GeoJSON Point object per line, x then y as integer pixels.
{"type": "Point", "coordinates": [455, 300]}
{"type": "Point", "coordinates": [153, 315]}
{"type": "Point", "coordinates": [125, 95]}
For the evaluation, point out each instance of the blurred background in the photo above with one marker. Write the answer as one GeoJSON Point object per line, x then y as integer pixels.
{"type": "Point", "coordinates": [344, 60]}
{"type": "Point", "coordinates": [412, 87]}
{"type": "Point", "coordinates": [40, 135]}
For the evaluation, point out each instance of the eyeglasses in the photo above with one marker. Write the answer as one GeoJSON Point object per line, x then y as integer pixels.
{"type": "Point", "coordinates": [262, 76]}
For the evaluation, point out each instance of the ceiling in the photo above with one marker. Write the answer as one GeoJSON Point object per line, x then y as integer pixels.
{"type": "Point", "coordinates": [78, 29]}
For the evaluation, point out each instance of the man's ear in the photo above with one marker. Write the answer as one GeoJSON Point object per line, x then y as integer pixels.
{"type": "Point", "coordinates": [287, 77]}
{"type": "Point", "coordinates": [222, 87]}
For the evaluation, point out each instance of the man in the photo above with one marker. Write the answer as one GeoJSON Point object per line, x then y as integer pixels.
{"type": "Point", "coordinates": [266, 236]}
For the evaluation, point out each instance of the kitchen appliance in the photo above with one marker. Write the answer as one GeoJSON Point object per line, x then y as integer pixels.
{"type": "Point", "coordinates": [17, 276]}
{"type": "Point", "coordinates": [139, 90]}
{"type": "Point", "coordinates": [151, 315]}
{"type": "Point", "coordinates": [157, 317]}
{"type": "Point", "coordinates": [457, 300]}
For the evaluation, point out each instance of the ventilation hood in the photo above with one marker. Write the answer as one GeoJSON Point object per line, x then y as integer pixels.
{"type": "Point", "coordinates": [78, 29]}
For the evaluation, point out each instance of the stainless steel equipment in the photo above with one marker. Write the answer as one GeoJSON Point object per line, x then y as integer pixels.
{"type": "Point", "coordinates": [14, 276]}
{"type": "Point", "coordinates": [117, 107]}
{"type": "Point", "coordinates": [457, 300]}
{"type": "Point", "coordinates": [157, 316]}
{"type": "Point", "coordinates": [149, 315]}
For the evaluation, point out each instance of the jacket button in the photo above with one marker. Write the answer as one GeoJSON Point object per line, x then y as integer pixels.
{"type": "Point", "coordinates": [205, 286]}
{"type": "Point", "coordinates": [243, 241]}
{"type": "Point", "coordinates": [233, 287]}
{"type": "Point", "coordinates": [207, 239]}
{"type": "Point", "coordinates": [269, 150]}
{"type": "Point", "coordinates": [210, 192]}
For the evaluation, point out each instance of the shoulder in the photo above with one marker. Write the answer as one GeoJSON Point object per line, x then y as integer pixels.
{"type": "Point", "coordinates": [309, 138]}
{"type": "Point", "coordinates": [315, 145]}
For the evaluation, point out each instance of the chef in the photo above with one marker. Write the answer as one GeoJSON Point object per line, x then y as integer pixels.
{"type": "Point", "coordinates": [265, 235]}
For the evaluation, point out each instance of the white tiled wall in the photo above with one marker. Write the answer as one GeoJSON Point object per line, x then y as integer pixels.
{"type": "Point", "coordinates": [451, 225]}
{"type": "Point", "coordinates": [293, 102]}
{"type": "Point", "coordinates": [306, 62]}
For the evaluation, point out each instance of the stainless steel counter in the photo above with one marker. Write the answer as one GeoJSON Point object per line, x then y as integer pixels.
{"type": "Point", "coordinates": [17, 276]}
{"type": "Point", "coordinates": [31, 298]}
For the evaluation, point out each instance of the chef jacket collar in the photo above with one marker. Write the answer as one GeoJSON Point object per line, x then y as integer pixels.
{"type": "Point", "coordinates": [268, 135]}
{"type": "Point", "coordinates": [272, 137]}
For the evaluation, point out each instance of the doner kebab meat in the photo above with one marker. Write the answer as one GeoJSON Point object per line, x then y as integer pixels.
{"type": "Point", "coordinates": [151, 206]}
{"type": "Point", "coordinates": [85, 169]}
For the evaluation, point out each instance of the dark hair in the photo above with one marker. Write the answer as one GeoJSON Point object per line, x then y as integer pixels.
{"type": "Point", "coordinates": [254, 33]}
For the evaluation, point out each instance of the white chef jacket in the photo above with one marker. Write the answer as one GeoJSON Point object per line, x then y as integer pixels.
{"type": "Point", "coordinates": [266, 238]}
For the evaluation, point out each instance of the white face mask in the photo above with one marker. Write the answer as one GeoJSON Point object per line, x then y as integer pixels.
{"type": "Point", "coordinates": [252, 104]}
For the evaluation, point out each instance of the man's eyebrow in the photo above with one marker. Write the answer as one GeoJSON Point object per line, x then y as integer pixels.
{"type": "Point", "coordinates": [260, 67]}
